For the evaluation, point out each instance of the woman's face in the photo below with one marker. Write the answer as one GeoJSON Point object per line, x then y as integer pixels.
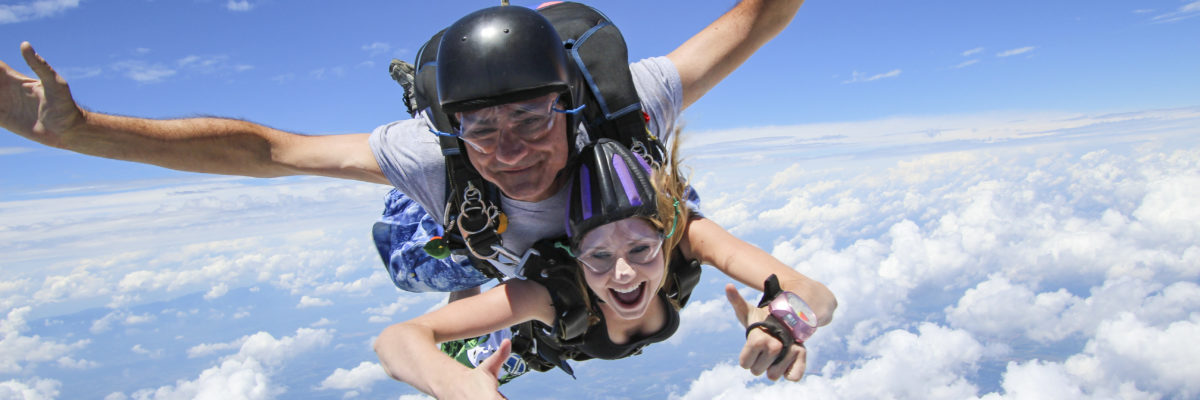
{"type": "Point", "coordinates": [623, 265]}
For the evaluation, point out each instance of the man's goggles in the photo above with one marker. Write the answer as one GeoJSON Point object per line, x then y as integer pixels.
{"type": "Point", "coordinates": [529, 121]}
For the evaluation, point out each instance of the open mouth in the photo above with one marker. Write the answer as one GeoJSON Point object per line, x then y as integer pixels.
{"type": "Point", "coordinates": [629, 298]}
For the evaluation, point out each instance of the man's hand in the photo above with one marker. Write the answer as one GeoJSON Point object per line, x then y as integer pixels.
{"type": "Point", "coordinates": [761, 348]}
{"type": "Point", "coordinates": [42, 109]}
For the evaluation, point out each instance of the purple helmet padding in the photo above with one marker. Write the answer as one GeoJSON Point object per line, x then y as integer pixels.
{"type": "Point", "coordinates": [626, 180]}
{"type": "Point", "coordinates": [608, 187]}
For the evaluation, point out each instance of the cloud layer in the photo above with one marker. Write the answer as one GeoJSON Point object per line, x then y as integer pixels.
{"type": "Point", "coordinates": [990, 256]}
{"type": "Point", "coordinates": [1062, 258]}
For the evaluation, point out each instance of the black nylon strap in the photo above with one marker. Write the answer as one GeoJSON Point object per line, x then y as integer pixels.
{"type": "Point", "coordinates": [771, 290]}
{"type": "Point", "coordinates": [776, 329]}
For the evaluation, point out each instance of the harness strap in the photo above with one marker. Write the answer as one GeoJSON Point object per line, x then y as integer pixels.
{"type": "Point", "coordinates": [470, 221]}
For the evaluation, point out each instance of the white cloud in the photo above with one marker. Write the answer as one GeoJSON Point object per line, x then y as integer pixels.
{"type": "Point", "coordinates": [210, 64]}
{"type": "Point", "coordinates": [376, 48]}
{"type": "Point", "coordinates": [34, 389]}
{"type": "Point", "coordinates": [998, 308]}
{"type": "Point", "coordinates": [206, 349]}
{"type": "Point", "coordinates": [888, 370]}
{"type": "Point", "coordinates": [704, 317]}
{"type": "Point", "coordinates": [330, 72]}
{"type": "Point", "coordinates": [248, 373]}
{"type": "Point", "coordinates": [716, 383]}
{"type": "Point", "coordinates": [972, 52]}
{"type": "Point", "coordinates": [238, 5]}
{"type": "Point", "coordinates": [360, 378]}
{"type": "Point", "coordinates": [217, 291]}
{"type": "Point", "coordinates": [384, 313]}
{"type": "Point", "coordinates": [1126, 349]}
{"type": "Point", "coordinates": [1127, 359]}
{"type": "Point", "coordinates": [1169, 208]}
{"type": "Point", "coordinates": [13, 13]}
{"type": "Point", "coordinates": [143, 72]}
{"type": "Point", "coordinates": [177, 239]}
{"type": "Point", "coordinates": [306, 302]}
{"type": "Point", "coordinates": [415, 397]}
{"type": "Point", "coordinates": [857, 77]}
{"type": "Point", "coordinates": [76, 73]}
{"type": "Point", "coordinates": [8, 151]}
{"type": "Point", "coordinates": [1016, 51]}
{"type": "Point", "coordinates": [71, 363]}
{"type": "Point", "coordinates": [138, 349]}
{"type": "Point", "coordinates": [966, 63]}
{"type": "Point", "coordinates": [379, 278]}
{"type": "Point", "coordinates": [18, 351]}
{"type": "Point", "coordinates": [103, 324]}
{"type": "Point", "coordinates": [1183, 12]}
{"type": "Point", "coordinates": [1024, 248]}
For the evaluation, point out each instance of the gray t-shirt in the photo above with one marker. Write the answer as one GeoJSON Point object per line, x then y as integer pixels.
{"type": "Point", "coordinates": [411, 158]}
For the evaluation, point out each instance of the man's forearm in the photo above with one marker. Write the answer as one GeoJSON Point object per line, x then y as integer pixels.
{"type": "Point", "coordinates": [208, 145]}
{"type": "Point", "coordinates": [715, 52]}
{"type": "Point", "coordinates": [224, 146]}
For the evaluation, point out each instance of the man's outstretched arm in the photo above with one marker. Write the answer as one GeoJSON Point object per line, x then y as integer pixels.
{"type": "Point", "coordinates": [44, 111]}
{"type": "Point", "coordinates": [711, 55]}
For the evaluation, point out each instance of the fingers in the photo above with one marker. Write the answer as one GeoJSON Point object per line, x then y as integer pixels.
{"type": "Point", "coordinates": [740, 307]}
{"type": "Point", "coordinates": [760, 352]}
{"type": "Point", "coordinates": [494, 362]}
{"type": "Point", "coordinates": [792, 366]}
{"type": "Point", "coordinates": [8, 72]}
{"type": "Point", "coordinates": [799, 365]}
{"type": "Point", "coordinates": [50, 79]}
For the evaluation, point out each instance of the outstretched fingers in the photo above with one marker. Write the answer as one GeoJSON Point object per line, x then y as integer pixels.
{"type": "Point", "coordinates": [52, 82]}
{"type": "Point", "coordinates": [741, 308]}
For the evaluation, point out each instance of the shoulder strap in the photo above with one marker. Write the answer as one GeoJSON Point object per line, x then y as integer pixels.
{"type": "Point", "coordinates": [684, 276]}
{"type": "Point", "coordinates": [557, 271]}
{"type": "Point", "coordinates": [613, 109]}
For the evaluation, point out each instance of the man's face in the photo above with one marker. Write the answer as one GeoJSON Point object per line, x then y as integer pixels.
{"type": "Point", "coordinates": [519, 147]}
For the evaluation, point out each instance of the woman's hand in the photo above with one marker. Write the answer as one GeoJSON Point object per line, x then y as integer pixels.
{"type": "Point", "coordinates": [479, 383]}
{"type": "Point", "coordinates": [761, 349]}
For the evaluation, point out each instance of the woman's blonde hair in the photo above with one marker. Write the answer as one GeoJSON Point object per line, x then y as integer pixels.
{"type": "Point", "coordinates": [671, 190]}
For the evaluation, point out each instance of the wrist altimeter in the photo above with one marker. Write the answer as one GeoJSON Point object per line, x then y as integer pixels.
{"type": "Point", "coordinates": [791, 320]}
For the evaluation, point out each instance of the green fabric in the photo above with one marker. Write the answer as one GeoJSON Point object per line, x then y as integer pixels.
{"type": "Point", "coordinates": [459, 350]}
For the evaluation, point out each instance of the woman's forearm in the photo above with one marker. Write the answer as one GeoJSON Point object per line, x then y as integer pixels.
{"type": "Point", "coordinates": [750, 265]}
{"type": "Point", "coordinates": [409, 354]}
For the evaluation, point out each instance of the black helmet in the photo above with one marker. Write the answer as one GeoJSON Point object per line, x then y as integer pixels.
{"type": "Point", "coordinates": [500, 55]}
{"type": "Point", "coordinates": [611, 184]}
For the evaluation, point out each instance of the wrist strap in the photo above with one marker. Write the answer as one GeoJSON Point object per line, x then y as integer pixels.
{"type": "Point", "coordinates": [771, 290]}
{"type": "Point", "coordinates": [776, 329]}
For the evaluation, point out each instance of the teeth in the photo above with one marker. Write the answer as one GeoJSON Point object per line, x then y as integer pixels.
{"type": "Point", "coordinates": [630, 290]}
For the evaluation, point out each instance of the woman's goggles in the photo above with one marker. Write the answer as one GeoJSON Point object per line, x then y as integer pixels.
{"type": "Point", "coordinates": [638, 249]}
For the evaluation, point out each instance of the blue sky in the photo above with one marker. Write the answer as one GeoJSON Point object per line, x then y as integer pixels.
{"type": "Point", "coordinates": [1000, 193]}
